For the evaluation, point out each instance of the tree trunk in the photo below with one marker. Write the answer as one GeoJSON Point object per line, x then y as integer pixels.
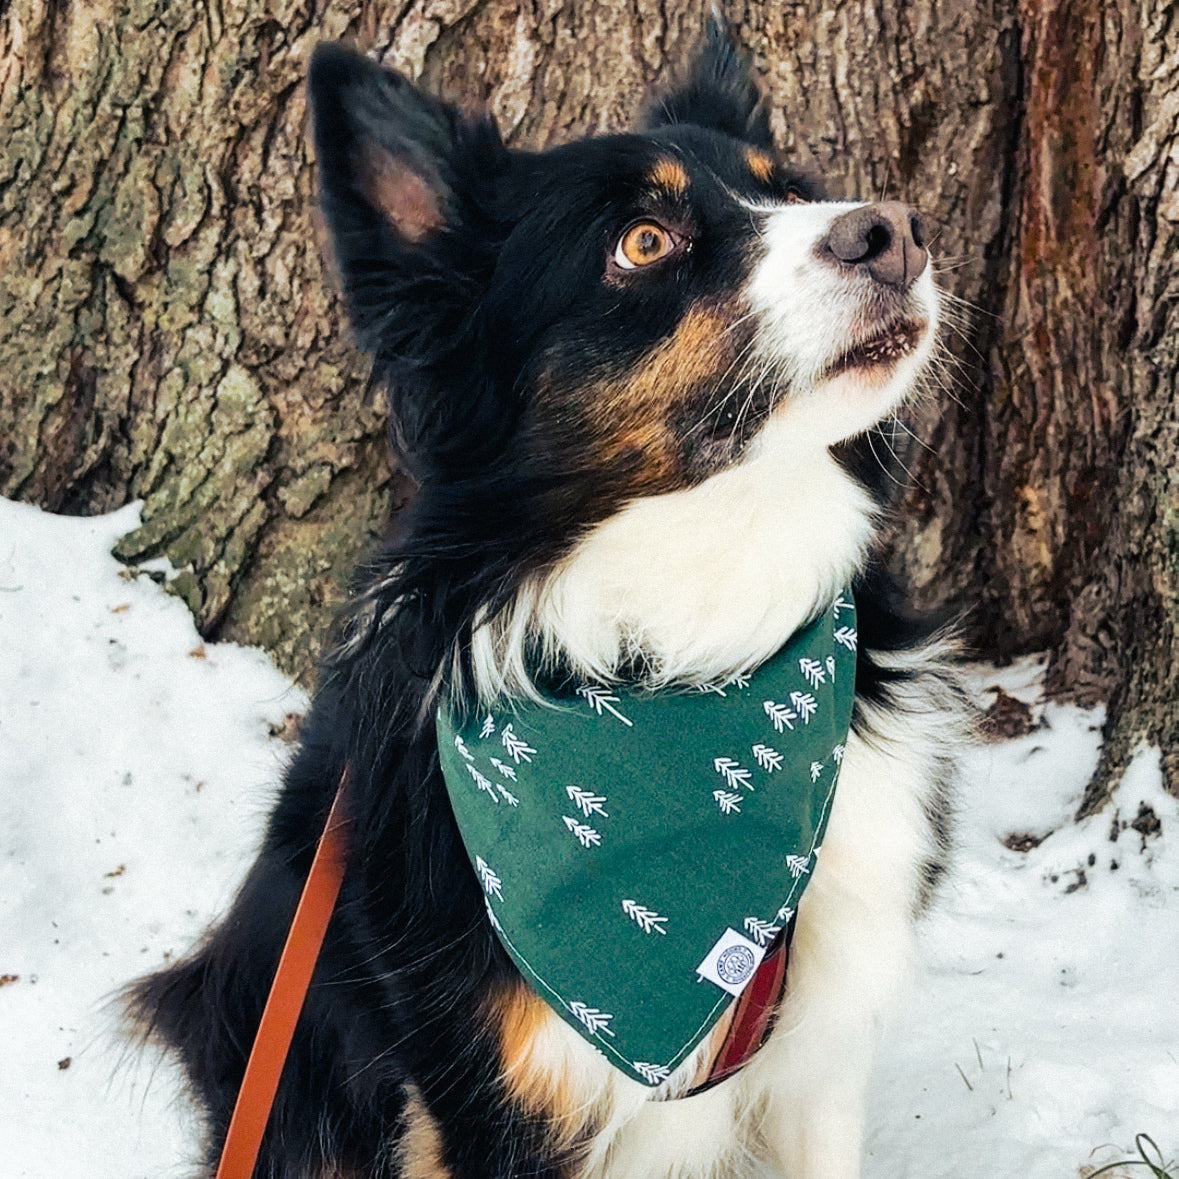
{"type": "Point", "coordinates": [167, 331]}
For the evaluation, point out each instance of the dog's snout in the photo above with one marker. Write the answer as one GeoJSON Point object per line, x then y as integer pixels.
{"type": "Point", "coordinates": [887, 238]}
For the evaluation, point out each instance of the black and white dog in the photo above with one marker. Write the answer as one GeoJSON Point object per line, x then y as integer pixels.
{"type": "Point", "coordinates": [637, 379]}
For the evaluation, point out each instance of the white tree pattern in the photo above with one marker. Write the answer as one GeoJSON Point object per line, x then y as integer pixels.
{"type": "Point", "coordinates": [595, 1020]}
{"type": "Point", "coordinates": [730, 804]}
{"type": "Point", "coordinates": [492, 884]}
{"type": "Point", "coordinates": [762, 932]}
{"type": "Point", "coordinates": [805, 705]}
{"type": "Point", "coordinates": [646, 919]}
{"type": "Point", "coordinates": [492, 917]}
{"type": "Point", "coordinates": [769, 759]}
{"type": "Point", "coordinates": [847, 637]}
{"type": "Point", "coordinates": [798, 865]}
{"type": "Point", "coordinates": [518, 749]}
{"type": "Point", "coordinates": [586, 835]}
{"type": "Point", "coordinates": [801, 707]}
{"type": "Point", "coordinates": [587, 803]}
{"type": "Point", "coordinates": [782, 717]}
{"type": "Point", "coordinates": [482, 782]}
{"type": "Point", "coordinates": [733, 773]}
{"type": "Point", "coordinates": [812, 671]}
{"type": "Point", "coordinates": [599, 698]}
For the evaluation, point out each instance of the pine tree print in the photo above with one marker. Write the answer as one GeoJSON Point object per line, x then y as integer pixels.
{"type": "Point", "coordinates": [837, 755]}
{"type": "Point", "coordinates": [595, 1020]}
{"type": "Point", "coordinates": [730, 804]}
{"type": "Point", "coordinates": [847, 637]}
{"type": "Point", "coordinates": [488, 727]}
{"type": "Point", "coordinates": [769, 759]}
{"type": "Point", "coordinates": [518, 749]}
{"type": "Point", "coordinates": [715, 688]}
{"type": "Point", "coordinates": [741, 682]}
{"type": "Point", "coordinates": [587, 803]}
{"type": "Point", "coordinates": [586, 835]}
{"type": "Point", "coordinates": [508, 796]}
{"type": "Point", "coordinates": [506, 770]}
{"type": "Point", "coordinates": [798, 865]}
{"type": "Point", "coordinates": [482, 782]}
{"type": "Point", "coordinates": [784, 914]}
{"type": "Point", "coordinates": [733, 773]}
{"type": "Point", "coordinates": [830, 662]}
{"type": "Point", "coordinates": [646, 919]}
{"type": "Point", "coordinates": [600, 698]}
{"type": "Point", "coordinates": [461, 746]}
{"type": "Point", "coordinates": [781, 716]}
{"type": "Point", "coordinates": [495, 923]}
{"type": "Point", "coordinates": [816, 770]}
{"type": "Point", "coordinates": [762, 932]}
{"type": "Point", "coordinates": [492, 884]}
{"type": "Point", "coordinates": [805, 705]}
{"type": "Point", "coordinates": [653, 1074]}
{"type": "Point", "coordinates": [839, 605]}
{"type": "Point", "coordinates": [812, 671]}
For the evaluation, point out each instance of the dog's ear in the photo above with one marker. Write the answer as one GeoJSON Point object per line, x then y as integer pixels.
{"type": "Point", "coordinates": [407, 186]}
{"type": "Point", "coordinates": [718, 92]}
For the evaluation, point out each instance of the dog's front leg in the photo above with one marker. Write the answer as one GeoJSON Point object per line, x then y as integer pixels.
{"type": "Point", "coordinates": [850, 962]}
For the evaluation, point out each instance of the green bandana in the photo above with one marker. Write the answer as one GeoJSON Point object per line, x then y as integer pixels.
{"type": "Point", "coordinates": [638, 851]}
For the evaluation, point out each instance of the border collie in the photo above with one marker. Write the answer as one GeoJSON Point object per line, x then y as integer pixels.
{"type": "Point", "coordinates": [640, 380]}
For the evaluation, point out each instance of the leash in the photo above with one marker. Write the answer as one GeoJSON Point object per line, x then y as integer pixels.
{"type": "Point", "coordinates": [753, 1018]}
{"type": "Point", "coordinates": [292, 979]}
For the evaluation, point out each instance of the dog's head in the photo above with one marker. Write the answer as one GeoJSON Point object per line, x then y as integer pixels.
{"type": "Point", "coordinates": [618, 319]}
{"type": "Point", "coordinates": [638, 304]}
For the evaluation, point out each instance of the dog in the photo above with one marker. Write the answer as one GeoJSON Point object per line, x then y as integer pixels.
{"type": "Point", "coordinates": [640, 380]}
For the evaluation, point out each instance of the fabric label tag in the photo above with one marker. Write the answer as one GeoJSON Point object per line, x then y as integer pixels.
{"type": "Point", "coordinates": [732, 962]}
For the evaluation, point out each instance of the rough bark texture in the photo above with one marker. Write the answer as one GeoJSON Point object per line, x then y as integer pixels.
{"type": "Point", "coordinates": [167, 331]}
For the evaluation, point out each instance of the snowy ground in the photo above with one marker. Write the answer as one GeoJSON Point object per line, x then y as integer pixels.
{"type": "Point", "coordinates": [136, 765]}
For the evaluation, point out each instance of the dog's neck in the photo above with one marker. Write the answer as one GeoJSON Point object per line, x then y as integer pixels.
{"type": "Point", "coordinates": [697, 585]}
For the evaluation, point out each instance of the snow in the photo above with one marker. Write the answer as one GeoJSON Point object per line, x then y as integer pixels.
{"type": "Point", "coordinates": [137, 765]}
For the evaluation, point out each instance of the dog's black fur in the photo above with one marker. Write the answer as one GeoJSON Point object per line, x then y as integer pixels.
{"type": "Point", "coordinates": [474, 277]}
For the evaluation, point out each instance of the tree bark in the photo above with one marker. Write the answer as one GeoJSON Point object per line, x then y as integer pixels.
{"type": "Point", "coordinates": [167, 330]}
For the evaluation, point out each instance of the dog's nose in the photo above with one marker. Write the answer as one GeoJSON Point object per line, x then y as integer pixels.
{"type": "Point", "coordinates": [887, 238]}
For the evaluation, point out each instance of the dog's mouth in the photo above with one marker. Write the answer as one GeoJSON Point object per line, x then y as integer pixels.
{"type": "Point", "coordinates": [896, 341]}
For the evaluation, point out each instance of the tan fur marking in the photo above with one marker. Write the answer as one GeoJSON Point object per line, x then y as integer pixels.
{"type": "Point", "coordinates": [532, 1068]}
{"type": "Point", "coordinates": [669, 175]}
{"type": "Point", "coordinates": [760, 164]}
{"type": "Point", "coordinates": [420, 1150]}
{"type": "Point", "coordinates": [635, 417]}
{"type": "Point", "coordinates": [695, 352]}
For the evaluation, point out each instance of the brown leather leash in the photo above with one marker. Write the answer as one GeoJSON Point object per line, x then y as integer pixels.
{"type": "Point", "coordinates": [752, 1022]}
{"type": "Point", "coordinates": [288, 992]}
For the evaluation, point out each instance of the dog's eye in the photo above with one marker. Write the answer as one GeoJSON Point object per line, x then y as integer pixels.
{"type": "Point", "coordinates": [643, 243]}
